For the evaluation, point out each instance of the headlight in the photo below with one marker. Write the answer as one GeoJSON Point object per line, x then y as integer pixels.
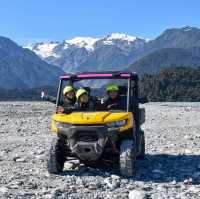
{"type": "Point", "coordinates": [117, 123]}
{"type": "Point", "coordinates": [62, 126]}
{"type": "Point", "coordinates": [121, 123]}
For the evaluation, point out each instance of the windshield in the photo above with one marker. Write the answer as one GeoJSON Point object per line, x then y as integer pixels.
{"type": "Point", "coordinates": [98, 96]}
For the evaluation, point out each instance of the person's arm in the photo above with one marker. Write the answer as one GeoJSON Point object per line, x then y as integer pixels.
{"type": "Point", "coordinates": [48, 98]}
{"type": "Point", "coordinates": [64, 110]}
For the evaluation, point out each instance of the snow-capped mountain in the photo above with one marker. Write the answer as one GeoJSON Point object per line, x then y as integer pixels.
{"type": "Point", "coordinates": [81, 42]}
{"type": "Point", "coordinates": [118, 51]}
{"type": "Point", "coordinates": [44, 50]}
{"type": "Point", "coordinates": [122, 41]}
{"type": "Point", "coordinates": [84, 53]}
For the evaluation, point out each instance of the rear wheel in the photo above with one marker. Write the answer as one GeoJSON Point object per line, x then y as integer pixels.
{"type": "Point", "coordinates": [127, 158]}
{"type": "Point", "coordinates": [57, 156]}
{"type": "Point", "coordinates": [142, 147]}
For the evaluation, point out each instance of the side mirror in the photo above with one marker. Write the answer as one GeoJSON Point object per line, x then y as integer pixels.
{"type": "Point", "coordinates": [143, 100]}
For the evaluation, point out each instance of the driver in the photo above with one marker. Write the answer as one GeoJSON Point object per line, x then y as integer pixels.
{"type": "Point", "coordinates": [83, 100]}
{"type": "Point", "coordinates": [113, 100]}
{"type": "Point", "coordinates": [69, 99]}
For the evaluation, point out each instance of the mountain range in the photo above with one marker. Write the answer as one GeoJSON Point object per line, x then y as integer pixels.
{"type": "Point", "coordinates": [40, 64]}
{"type": "Point", "coordinates": [173, 48]}
{"type": "Point", "coordinates": [119, 51]}
{"type": "Point", "coordinates": [88, 54]}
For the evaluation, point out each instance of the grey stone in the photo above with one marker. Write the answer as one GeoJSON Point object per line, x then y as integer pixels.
{"type": "Point", "coordinates": [174, 182]}
{"type": "Point", "coordinates": [111, 184]}
{"type": "Point", "coordinates": [136, 194]}
{"type": "Point", "coordinates": [115, 177]}
{"type": "Point", "coordinates": [164, 143]}
{"type": "Point", "coordinates": [4, 190]}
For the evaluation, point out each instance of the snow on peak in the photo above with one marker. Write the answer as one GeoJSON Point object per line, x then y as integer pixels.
{"type": "Point", "coordinates": [110, 39]}
{"type": "Point", "coordinates": [121, 36]}
{"type": "Point", "coordinates": [86, 42]}
{"type": "Point", "coordinates": [43, 49]}
{"type": "Point", "coordinates": [55, 49]}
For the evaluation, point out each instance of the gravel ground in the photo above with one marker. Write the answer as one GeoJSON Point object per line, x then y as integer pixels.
{"type": "Point", "coordinates": [171, 168]}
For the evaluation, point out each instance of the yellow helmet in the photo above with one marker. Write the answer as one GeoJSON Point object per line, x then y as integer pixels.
{"type": "Point", "coordinates": [80, 92]}
{"type": "Point", "coordinates": [112, 87]}
{"type": "Point", "coordinates": [67, 89]}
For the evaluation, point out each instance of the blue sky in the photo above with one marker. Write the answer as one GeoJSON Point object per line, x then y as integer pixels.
{"type": "Point", "coordinates": [28, 21]}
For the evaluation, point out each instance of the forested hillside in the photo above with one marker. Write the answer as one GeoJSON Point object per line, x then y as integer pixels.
{"type": "Point", "coordinates": [173, 84]}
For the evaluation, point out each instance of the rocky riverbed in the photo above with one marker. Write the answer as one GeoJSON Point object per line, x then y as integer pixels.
{"type": "Point", "coordinates": [171, 168]}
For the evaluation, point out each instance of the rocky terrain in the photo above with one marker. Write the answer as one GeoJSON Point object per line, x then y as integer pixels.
{"type": "Point", "coordinates": [171, 168]}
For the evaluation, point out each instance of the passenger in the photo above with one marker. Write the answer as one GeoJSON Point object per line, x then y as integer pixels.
{"type": "Point", "coordinates": [68, 102]}
{"type": "Point", "coordinates": [113, 100]}
{"type": "Point", "coordinates": [83, 100]}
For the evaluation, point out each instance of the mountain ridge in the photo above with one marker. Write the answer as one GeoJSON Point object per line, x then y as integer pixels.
{"type": "Point", "coordinates": [156, 61]}
{"type": "Point", "coordinates": [22, 68]}
{"type": "Point", "coordinates": [114, 51]}
{"type": "Point", "coordinates": [74, 54]}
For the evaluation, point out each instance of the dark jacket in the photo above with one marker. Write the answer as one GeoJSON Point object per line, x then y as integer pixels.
{"type": "Point", "coordinates": [68, 105]}
{"type": "Point", "coordinates": [116, 103]}
{"type": "Point", "coordinates": [49, 98]}
{"type": "Point", "coordinates": [90, 106]}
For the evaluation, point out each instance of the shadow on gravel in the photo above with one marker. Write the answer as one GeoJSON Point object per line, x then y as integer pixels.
{"type": "Point", "coordinates": [154, 168]}
{"type": "Point", "coordinates": [101, 170]}
{"type": "Point", "coordinates": [166, 168]}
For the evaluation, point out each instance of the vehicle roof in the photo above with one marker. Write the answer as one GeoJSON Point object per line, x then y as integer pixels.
{"type": "Point", "coordinates": [101, 75]}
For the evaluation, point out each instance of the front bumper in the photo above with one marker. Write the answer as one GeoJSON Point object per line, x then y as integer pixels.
{"type": "Point", "coordinates": [86, 142]}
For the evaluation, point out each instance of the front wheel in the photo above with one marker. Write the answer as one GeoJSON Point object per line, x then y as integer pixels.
{"type": "Point", "coordinates": [127, 158]}
{"type": "Point", "coordinates": [57, 156]}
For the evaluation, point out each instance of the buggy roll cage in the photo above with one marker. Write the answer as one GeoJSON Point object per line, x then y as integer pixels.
{"type": "Point", "coordinates": [131, 77]}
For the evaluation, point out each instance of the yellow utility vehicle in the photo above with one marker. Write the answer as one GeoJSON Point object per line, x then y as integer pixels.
{"type": "Point", "coordinates": [98, 135]}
